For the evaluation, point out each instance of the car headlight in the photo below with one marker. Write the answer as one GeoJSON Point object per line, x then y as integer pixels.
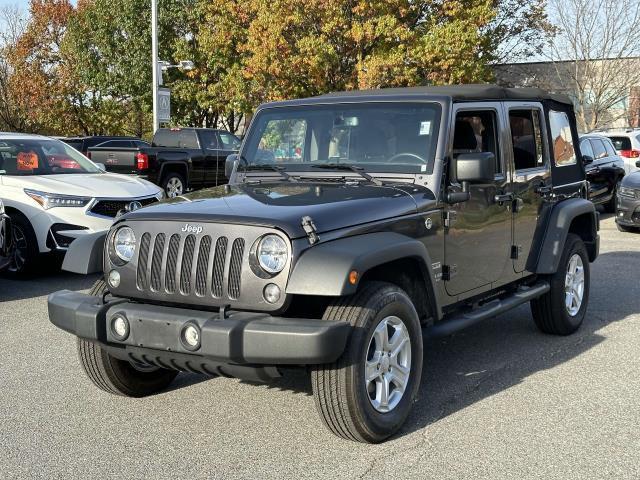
{"type": "Point", "coordinates": [124, 244]}
{"type": "Point", "coordinates": [627, 192]}
{"type": "Point", "coordinates": [272, 253]}
{"type": "Point", "coordinates": [51, 200]}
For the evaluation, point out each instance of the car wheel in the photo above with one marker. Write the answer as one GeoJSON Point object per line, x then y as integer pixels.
{"type": "Point", "coordinates": [26, 250]}
{"type": "Point", "coordinates": [174, 185]}
{"type": "Point", "coordinates": [366, 395]}
{"type": "Point", "coordinates": [561, 311]}
{"type": "Point", "coordinates": [117, 376]}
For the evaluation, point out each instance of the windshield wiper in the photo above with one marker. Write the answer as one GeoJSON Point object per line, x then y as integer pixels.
{"type": "Point", "coordinates": [266, 166]}
{"type": "Point", "coordinates": [345, 166]}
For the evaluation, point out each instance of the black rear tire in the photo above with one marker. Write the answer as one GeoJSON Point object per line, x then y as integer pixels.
{"type": "Point", "coordinates": [550, 312]}
{"type": "Point", "coordinates": [173, 184]}
{"type": "Point", "coordinates": [624, 228]}
{"type": "Point", "coordinates": [116, 376]}
{"type": "Point", "coordinates": [340, 389]}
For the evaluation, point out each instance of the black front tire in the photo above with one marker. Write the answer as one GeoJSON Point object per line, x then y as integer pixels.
{"type": "Point", "coordinates": [625, 229]}
{"type": "Point", "coordinates": [340, 389]}
{"type": "Point", "coordinates": [27, 252]}
{"type": "Point", "coordinates": [550, 312]}
{"type": "Point", "coordinates": [116, 376]}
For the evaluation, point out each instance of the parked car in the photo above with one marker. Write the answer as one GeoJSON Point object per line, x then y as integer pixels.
{"type": "Point", "coordinates": [54, 195]}
{"type": "Point", "coordinates": [118, 156]}
{"type": "Point", "coordinates": [6, 238]}
{"type": "Point", "coordinates": [604, 168]}
{"type": "Point", "coordinates": [628, 206]}
{"type": "Point", "coordinates": [178, 159]}
{"type": "Point", "coordinates": [627, 144]}
{"type": "Point", "coordinates": [385, 212]}
{"type": "Point", "coordinates": [83, 144]}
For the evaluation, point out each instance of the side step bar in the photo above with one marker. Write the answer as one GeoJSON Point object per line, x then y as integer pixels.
{"type": "Point", "coordinates": [490, 309]}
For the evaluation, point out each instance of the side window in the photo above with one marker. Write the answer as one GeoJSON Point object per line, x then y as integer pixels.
{"type": "Point", "coordinates": [526, 138]}
{"type": "Point", "coordinates": [563, 151]}
{"type": "Point", "coordinates": [229, 142]}
{"type": "Point", "coordinates": [611, 152]}
{"type": "Point", "coordinates": [585, 148]}
{"type": "Point", "coordinates": [475, 131]}
{"type": "Point", "coordinates": [598, 148]}
{"type": "Point", "coordinates": [209, 139]}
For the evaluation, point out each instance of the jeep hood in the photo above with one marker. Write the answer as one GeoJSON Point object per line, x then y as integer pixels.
{"type": "Point", "coordinates": [331, 206]}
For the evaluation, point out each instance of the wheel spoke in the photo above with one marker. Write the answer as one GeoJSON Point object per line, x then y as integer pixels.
{"type": "Point", "coordinates": [383, 391]}
{"type": "Point", "coordinates": [372, 369]}
{"type": "Point", "coordinates": [400, 377]}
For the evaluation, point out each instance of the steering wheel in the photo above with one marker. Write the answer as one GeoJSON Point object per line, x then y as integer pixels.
{"type": "Point", "coordinates": [407, 154]}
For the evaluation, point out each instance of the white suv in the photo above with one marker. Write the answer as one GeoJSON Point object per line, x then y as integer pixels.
{"type": "Point", "coordinates": [627, 144]}
{"type": "Point", "coordinates": [55, 195]}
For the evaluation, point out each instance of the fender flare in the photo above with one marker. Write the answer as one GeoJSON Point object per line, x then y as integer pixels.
{"type": "Point", "coordinates": [323, 270]}
{"type": "Point", "coordinates": [558, 226]}
{"type": "Point", "coordinates": [181, 163]}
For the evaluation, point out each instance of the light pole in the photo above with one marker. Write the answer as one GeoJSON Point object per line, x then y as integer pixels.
{"type": "Point", "coordinates": [154, 61]}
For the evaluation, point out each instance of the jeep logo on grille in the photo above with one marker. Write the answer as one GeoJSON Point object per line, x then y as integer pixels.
{"type": "Point", "coordinates": [192, 228]}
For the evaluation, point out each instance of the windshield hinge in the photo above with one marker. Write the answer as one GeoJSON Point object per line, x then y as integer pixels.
{"type": "Point", "coordinates": [310, 229]}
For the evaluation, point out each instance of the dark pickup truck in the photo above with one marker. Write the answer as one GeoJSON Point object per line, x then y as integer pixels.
{"type": "Point", "coordinates": [179, 159]}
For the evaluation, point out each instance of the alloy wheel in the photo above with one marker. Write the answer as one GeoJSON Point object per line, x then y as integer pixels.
{"type": "Point", "coordinates": [174, 187]}
{"type": "Point", "coordinates": [388, 364]}
{"type": "Point", "coordinates": [20, 252]}
{"type": "Point", "coordinates": [574, 285]}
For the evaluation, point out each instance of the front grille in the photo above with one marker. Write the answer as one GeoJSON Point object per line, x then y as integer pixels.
{"type": "Point", "coordinates": [190, 265]}
{"type": "Point", "coordinates": [110, 208]}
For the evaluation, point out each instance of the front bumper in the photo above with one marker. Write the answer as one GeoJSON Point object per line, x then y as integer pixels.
{"type": "Point", "coordinates": [241, 338]}
{"type": "Point", "coordinates": [628, 211]}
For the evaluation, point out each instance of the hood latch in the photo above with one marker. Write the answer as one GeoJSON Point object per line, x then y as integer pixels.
{"type": "Point", "coordinates": [310, 229]}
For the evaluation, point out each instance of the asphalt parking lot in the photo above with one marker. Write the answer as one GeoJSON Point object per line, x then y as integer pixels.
{"type": "Point", "coordinates": [499, 400]}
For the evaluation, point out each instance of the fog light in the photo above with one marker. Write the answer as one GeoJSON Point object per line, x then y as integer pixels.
{"type": "Point", "coordinates": [120, 327]}
{"type": "Point", "coordinates": [190, 336]}
{"type": "Point", "coordinates": [114, 279]}
{"type": "Point", "coordinates": [271, 293]}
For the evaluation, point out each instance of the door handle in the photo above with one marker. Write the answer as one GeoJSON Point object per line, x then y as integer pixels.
{"type": "Point", "coordinates": [504, 197]}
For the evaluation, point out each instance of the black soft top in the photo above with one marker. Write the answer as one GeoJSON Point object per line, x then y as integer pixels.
{"type": "Point", "coordinates": [457, 93]}
{"type": "Point", "coordinates": [473, 92]}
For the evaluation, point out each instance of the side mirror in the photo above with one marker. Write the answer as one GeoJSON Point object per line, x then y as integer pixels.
{"type": "Point", "coordinates": [231, 164]}
{"type": "Point", "coordinates": [587, 159]}
{"type": "Point", "coordinates": [475, 167]}
{"type": "Point", "coordinates": [638, 163]}
{"type": "Point", "coordinates": [472, 168]}
{"type": "Point", "coordinates": [101, 166]}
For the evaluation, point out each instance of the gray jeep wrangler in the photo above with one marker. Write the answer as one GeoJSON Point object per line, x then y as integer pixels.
{"type": "Point", "coordinates": [353, 224]}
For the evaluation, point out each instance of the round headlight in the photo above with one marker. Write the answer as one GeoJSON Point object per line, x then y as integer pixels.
{"type": "Point", "coordinates": [272, 253]}
{"type": "Point", "coordinates": [124, 244]}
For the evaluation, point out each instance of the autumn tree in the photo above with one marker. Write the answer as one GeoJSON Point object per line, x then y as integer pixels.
{"type": "Point", "coordinates": [13, 115]}
{"type": "Point", "coordinates": [591, 51]}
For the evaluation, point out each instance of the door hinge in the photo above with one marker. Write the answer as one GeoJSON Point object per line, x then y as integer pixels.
{"type": "Point", "coordinates": [449, 271]}
{"type": "Point", "coordinates": [310, 229]}
{"type": "Point", "coordinates": [516, 250]}
{"type": "Point", "coordinates": [450, 218]}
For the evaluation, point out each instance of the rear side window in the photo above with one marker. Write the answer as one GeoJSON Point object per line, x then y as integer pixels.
{"type": "Point", "coordinates": [585, 149]}
{"type": "Point", "coordinates": [621, 143]}
{"type": "Point", "coordinates": [563, 151]}
{"type": "Point", "coordinates": [598, 148]}
{"type": "Point", "coordinates": [209, 139]}
{"type": "Point", "coordinates": [526, 138]}
{"type": "Point", "coordinates": [611, 152]}
{"type": "Point", "coordinates": [176, 138]}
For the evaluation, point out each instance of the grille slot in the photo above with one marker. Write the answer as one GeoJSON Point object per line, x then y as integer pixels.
{"type": "Point", "coordinates": [110, 208]}
{"type": "Point", "coordinates": [143, 258]}
{"type": "Point", "coordinates": [156, 263]}
{"type": "Point", "coordinates": [217, 282]}
{"type": "Point", "coordinates": [187, 262]}
{"type": "Point", "coordinates": [235, 269]}
{"type": "Point", "coordinates": [202, 264]}
{"type": "Point", "coordinates": [172, 259]}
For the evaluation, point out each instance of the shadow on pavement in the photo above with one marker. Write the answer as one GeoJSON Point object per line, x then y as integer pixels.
{"type": "Point", "coordinates": [47, 280]}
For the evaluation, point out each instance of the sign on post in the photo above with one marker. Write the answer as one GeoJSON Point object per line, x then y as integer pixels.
{"type": "Point", "coordinates": [164, 105]}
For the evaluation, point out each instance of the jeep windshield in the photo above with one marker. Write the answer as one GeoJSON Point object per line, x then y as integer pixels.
{"type": "Point", "coordinates": [376, 137]}
{"type": "Point", "coordinates": [42, 157]}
